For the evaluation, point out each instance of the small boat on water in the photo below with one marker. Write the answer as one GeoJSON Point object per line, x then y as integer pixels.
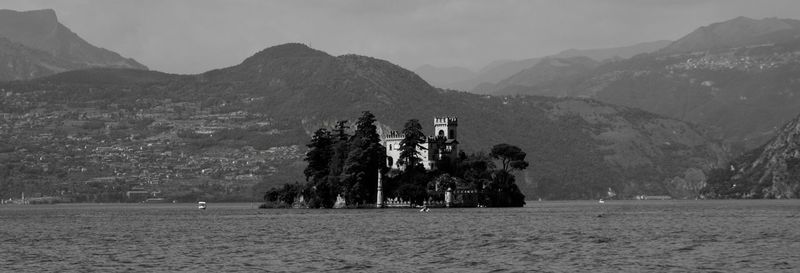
{"type": "Point", "coordinates": [201, 205]}
{"type": "Point", "coordinates": [424, 209]}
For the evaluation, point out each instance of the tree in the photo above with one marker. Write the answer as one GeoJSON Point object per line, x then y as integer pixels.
{"type": "Point", "coordinates": [719, 183]}
{"type": "Point", "coordinates": [366, 130]}
{"type": "Point", "coordinates": [476, 169]}
{"type": "Point", "coordinates": [365, 159]}
{"type": "Point", "coordinates": [340, 148]}
{"type": "Point", "coordinates": [442, 183]}
{"type": "Point", "coordinates": [284, 195]}
{"type": "Point", "coordinates": [511, 157]}
{"type": "Point", "coordinates": [322, 193]}
{"type": "Point", "coordinates": [503, 191]}
{"type": "Point", "coordinates": [413, 138]}
{"type": "Point", "coordinates": [318, 155]}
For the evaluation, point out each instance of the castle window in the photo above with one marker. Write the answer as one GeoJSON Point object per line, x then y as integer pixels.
{"type": "Point", "coordinates": [452, 134]}
{"type": "Point", "coordinates": [390, 148]}
{"type": "Point", "coordinates": [390, 161]}
{"type": "Point", "coordinates": [441, 132]}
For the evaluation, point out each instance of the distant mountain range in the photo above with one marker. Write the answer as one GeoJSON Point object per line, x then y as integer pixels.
{"type": "Point", "coordinates": [459, 78]}
{"type": "Point", "coordinates": [737, 76]}
{"type": "Point", "coordinates": [651, 124]}
{"type": "Point", "coordinates": [547, 71]}
{"type": "Point", "coordinates": [35, 44]}
{"type": "Point", "coordinates": [577, 148]}
{"type": "Point", "coordinates": [737, 32]}
{"type": "Point", "coordinates": [623, 52]}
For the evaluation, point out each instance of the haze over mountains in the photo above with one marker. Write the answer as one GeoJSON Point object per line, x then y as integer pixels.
{"type": "Point", "coordinates": [34, 44]}
{"type": "Point", "coordinates": [737, 76]}
{"type": "Point", "coordinates": [460, 78]}
{"type": "Point", "coordinates": [737, 32]}
{"type": "Point", "coordinates": [232, 132]}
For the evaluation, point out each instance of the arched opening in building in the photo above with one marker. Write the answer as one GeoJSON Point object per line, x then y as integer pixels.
{"type": "Point", "coordinates": [390, 161]}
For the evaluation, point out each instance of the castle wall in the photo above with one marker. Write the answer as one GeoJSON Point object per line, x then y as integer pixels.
{"type": "Point", "coordinates": [393, 151]}
{"type": "Point", "coordinates": [445, 126]}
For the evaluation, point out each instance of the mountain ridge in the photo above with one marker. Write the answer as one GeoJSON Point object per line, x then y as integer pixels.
{"type": "Point", "coordinates": [481, 82]}
{"type": "Point", "coordinates": [745, 92]}
{"type": "Point", "coordinates": [40, 30]}
{"type": "Point", "coordinates": [769, 171]}
{"type": "Point", "coordinates": [578, 148]}
{"type": "Point", "coordinates": [736, 32]}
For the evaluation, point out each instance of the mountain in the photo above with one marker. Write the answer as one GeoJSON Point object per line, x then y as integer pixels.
{"type": "Point", "coordinates": [493, 73]}
{"type": "Point", "coordinates": [744, 93]}
{"type": "Point", "coordinates": [737, 32]}
{"type": "Point", "coordinates": [624, 52]}
{"type": "Point", "coordinates": [242, 129]}
{"type": "Point", "coordinates": [444, 76]}
{"type": "Point", "coordinates": [770, 171]}
{"type": "Point", "coordinates": [483, 81]}
{"type": "Point", "coordinates": [30, 36]}
{"type": "Point", "coordinates": [459, 78]}
{"type": "Point", "coordinates": [551, 71]}
{"type": "Point", "coordinates": [23, 62]}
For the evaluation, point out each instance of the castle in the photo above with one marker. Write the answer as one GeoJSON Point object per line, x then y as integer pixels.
{"type": "Point", "coordinates": [441, 146]}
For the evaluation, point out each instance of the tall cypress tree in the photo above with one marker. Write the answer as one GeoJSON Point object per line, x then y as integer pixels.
{"type": "Point", "coordinates": [365, 159]}
{"type": "Point", "coordinates": [318, 155]}
{"type": "Point", "coordinates": [413, 138]}
{"type": "Point", "coordinates": [340, 148]}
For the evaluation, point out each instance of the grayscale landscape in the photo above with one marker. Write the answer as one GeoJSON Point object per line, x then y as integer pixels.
{"type": "Point", "coordinates": [400, 136]}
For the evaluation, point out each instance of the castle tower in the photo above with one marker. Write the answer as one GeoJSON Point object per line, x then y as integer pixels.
{"type": "Point", "coordinates": [430, 151]}
{"type": "Point", "coordinates": [445, 126]}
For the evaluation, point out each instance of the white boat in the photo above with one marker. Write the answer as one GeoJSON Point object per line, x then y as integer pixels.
{"type": "Point", "coordinates": [201, 205]}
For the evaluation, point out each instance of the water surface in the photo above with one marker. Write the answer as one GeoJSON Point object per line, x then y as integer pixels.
{"type": "Point", "coordinates": [632, 236]}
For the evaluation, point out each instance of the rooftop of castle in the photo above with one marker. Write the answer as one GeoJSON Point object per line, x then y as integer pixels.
{"type": "Point", "coordinates": [450, 120]}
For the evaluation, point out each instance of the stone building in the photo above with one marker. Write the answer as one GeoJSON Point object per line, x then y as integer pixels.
{"type": "Point", "coordinates": [442, 145]}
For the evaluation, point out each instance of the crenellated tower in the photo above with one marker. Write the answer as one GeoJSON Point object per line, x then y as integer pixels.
{"type": "Point", "coordinates": [433, 150]}
{"type": "Point", "coordinates": [445, 126]}
{"type": "Point", "coordinates": [444, 145]}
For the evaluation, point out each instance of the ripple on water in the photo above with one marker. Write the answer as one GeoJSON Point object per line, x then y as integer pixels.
{"type": "Point", "coordinates": [545, 236]}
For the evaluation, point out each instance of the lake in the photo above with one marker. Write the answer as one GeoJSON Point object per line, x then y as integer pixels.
{"type": "Point", "coordinates": [570, 236]}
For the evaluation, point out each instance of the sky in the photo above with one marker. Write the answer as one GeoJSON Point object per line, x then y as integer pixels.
{"type": "Point", "coordinates": [194, 36]}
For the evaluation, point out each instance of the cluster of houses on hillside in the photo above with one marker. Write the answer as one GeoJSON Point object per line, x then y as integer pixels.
{"type": "Point", "coordinates": [130, 146]}
{"type": "Point", "coordinates": [732, 61]}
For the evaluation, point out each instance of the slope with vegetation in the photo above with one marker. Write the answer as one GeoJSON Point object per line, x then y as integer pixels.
{"type": "Point", "coordinates": [770, 171]}
{"type": "Point", "coordinates": [737, 77]}
{"type": "Point", "coordinates": [234, 131]}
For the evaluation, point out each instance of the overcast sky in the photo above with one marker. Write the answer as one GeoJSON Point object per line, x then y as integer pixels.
{"type": "Point", "coordinates": [192, 36]}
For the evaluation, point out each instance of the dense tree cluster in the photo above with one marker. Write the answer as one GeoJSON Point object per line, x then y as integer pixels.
{"type": "Point", "coordinates": [340, 164]}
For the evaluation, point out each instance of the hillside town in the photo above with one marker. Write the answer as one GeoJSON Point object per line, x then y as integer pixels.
{"type": "Point", "coordinates": [754, 58]}
{"type": "Point", "coordinates": [101, 152]}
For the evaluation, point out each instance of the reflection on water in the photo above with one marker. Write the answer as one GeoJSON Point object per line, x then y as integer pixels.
{"type": "Point", "coordinates": [760, 235]}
